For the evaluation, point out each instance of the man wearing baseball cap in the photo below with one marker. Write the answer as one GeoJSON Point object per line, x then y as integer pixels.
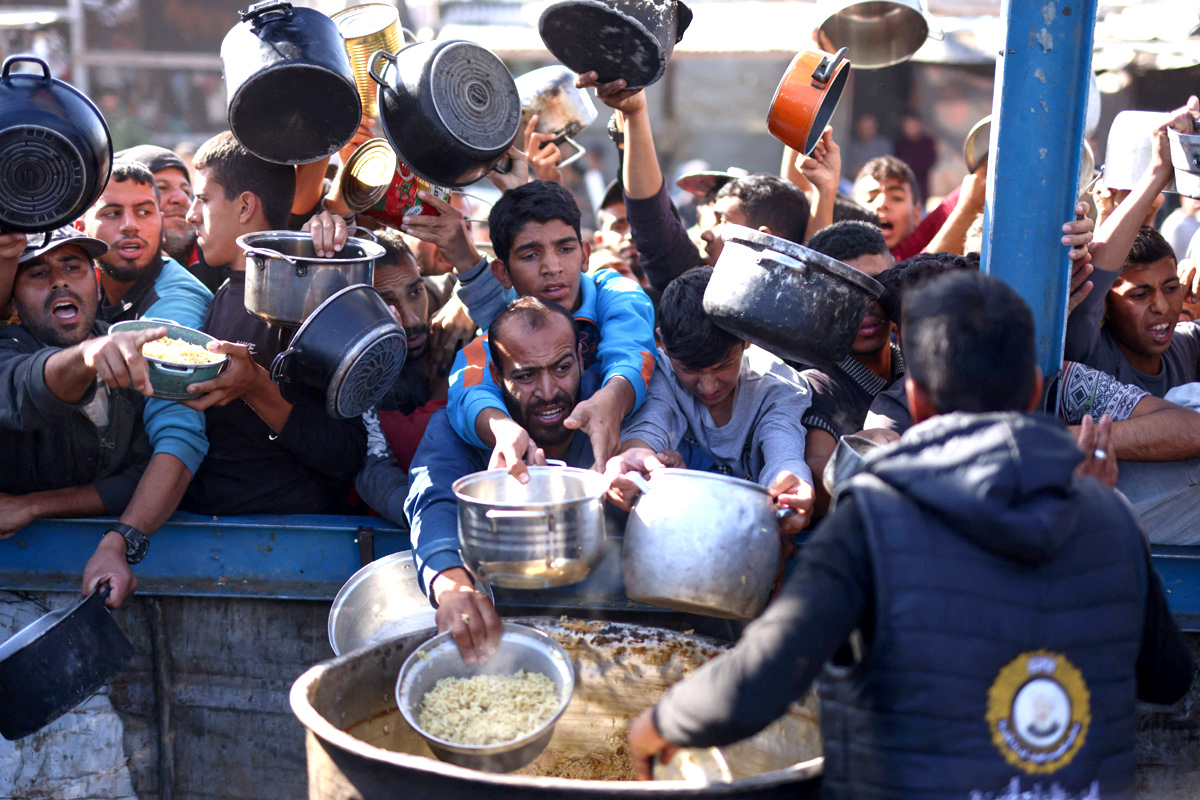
{"type": "Point", "coordinates": [75, 430]}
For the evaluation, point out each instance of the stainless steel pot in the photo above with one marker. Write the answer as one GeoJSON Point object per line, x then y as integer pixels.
{"type": "Point", "coordinates": [561, 108]}
{"type": "Point", "coordinates": [286, 281]}
{"type": "Point", "coordinates": [1185, 158]}
{"type": "Point", "coordinates": [538, 535]}
{"type": "Point", "coordinates": [701, 543]}
{"type": "Point", "coordinates": [977, 146]}
{"type": "Point", "coordinates": [879, 33]}
{"type": "Point", "coordinates": [783, 297]}
{"type": "Point", "coordinates": [1130, 148]}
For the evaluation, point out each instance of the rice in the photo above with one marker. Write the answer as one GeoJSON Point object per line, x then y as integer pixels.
{"type": "Point", "coordinates": [488, 709]}
{"type": "Point", "coordinates": [177, 351]}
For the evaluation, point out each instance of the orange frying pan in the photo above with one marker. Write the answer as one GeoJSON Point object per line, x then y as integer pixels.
{"type": "Point", "coordinates": [807, 97]}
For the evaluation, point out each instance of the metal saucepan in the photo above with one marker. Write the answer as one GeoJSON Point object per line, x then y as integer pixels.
{"type": "Point", "coordinates": [785, 298]}
{"type": "Point", "coordinates": [286, 281]}
{"type": "Point", "coordinates": [977, 146]}
{"type": "Point", "coordinates": [879, 33]}
{"type": "Point", "coordinates": [806, 98]}
{"type": "Point", "coordinates": [56, 663]}
{"type": "Point", "coordinates": [701, 543]}
{"type": "Point", "coordinates": [537, 535]}
{"type": "Point", "coordinates": [561, 108]}
{"type": "Point", "coordinates": [55, 150]}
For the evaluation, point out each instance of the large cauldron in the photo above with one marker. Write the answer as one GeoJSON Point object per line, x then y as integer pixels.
{"type": "Point", "coordinates": [360, 747]}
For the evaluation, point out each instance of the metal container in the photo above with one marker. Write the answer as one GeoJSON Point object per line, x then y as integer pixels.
{"type": "Point", "coordinates": [170, 380]}
{"type": "Point", "coordinates": [377, 184]}
{"type": "Point", "coordinates": [702, 543]}
{"type": "Point", "coordinates": [806, 98]}
{"type": "Point", "coordinates": [977, 146]}
{"type": "Point", "coordinates": [879, 33]}
{"type": "Point", "coordinates": [561, 108]}
{"type": "Point", "coordinates": [286, 281]}
{"type": "Point", "coordinates": [783, 297]}
{"type": "Point", "coordinates": [359, 745]}
{"type": "Point", "coordinates": [537, 535]}
{"type": "Point", "coordinates": [367, 28]}
{"type": "Point", "coordinates": [288, 84]}
{"type": "Point", "coordinates": [1130, 148]}
{"type": "Point", "coordinates": [521, 648]}
{"type": "Point", "coordinates": [1185, 158]}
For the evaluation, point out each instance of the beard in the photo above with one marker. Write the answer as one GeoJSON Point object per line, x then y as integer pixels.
{"type": "Point", "coordinates": [526, 417]}
{"type": "Point", "coordinates": [178, 244]}
{"type": "Point", "coordinates": [40, 322]}
{"type": "Point", "coordinates": [418, 352]}
{"type": "Point", "coordinates": [122, 270]}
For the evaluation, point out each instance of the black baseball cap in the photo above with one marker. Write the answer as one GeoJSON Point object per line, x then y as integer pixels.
{"type": "Point", "coordinates": [94, 248]}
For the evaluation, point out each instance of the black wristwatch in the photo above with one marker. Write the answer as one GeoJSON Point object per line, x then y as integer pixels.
{"type": "Point", "coordinates": [136, 542]}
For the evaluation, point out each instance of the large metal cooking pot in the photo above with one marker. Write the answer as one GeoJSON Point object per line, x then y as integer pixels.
{"type": "Point", "coordinates": [783, 297]}
{"type": "Point", "coordinates": [806, 98]}
{"type": "Point", "coordinates": [537, 535]}
{"type": "Point", "coordinates": [286, 281]}
{"type": "Point", "coordinates": [289, 85]}
{"type": "Point", "coordinates": [630, 39]}
{"type": "Point", "coordinates": [879, 33]}
{"type": "Point", "coordinates": [702, 543]}
{"type": "Point", "coordinates": [449, 109]}
{"type": "Point", "coordinates": [345, 357]}
{"type": "Point", "coordinates": [57, 662]}
{"type": "Point", "coordinates": [561, 108]}
{"type": "Point", "coordinates": [977, 146]}
{"type": "Point", "coordinates": [360, 747]}
{"type": "Point", "coordinates": [55, 150]}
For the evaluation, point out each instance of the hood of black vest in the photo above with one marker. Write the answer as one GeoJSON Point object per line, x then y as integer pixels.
{"type": "Point", "coordinates": [1002, 481]}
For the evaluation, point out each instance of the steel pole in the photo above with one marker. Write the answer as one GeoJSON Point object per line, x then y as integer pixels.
{"type": "Point", "coordinates": [1038, 115]}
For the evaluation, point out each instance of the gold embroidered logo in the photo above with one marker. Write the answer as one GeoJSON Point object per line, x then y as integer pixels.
{"type": "Point", "coordinates": [1039, 711]}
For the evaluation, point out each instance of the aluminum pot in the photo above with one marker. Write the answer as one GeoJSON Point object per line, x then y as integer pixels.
{"type": "Point", "coordinates": [879, 33]}
{"type": "Point", "coordinates": [702, 543]}
{"type": "Point", "coordinates": [537, 535]}
{"type": "Point", "coordinates": [345, 357]}
{"type": "Point", "coordinates": [630, 39]}
{"type": "Point", "coordinates": [783, 297]}
{"type": "Point", "coordinates": [977, 146]}
{"type": "Point", "coordinates": [286, 281]}
{"type": "Point", "coordinates": [806, 98]}
{"type": "Point", "coordinates": [289, 85]}
{"type": "Point", "coordinates": [55, 150]}
{"type": "Point", "coordinates": [449, 109]}
{"type": "Point", "coordinates": [57, 662]}
{"type": "Point", "coordinates": [561, 108]}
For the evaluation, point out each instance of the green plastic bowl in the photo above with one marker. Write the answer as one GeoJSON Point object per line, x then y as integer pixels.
{"type": "Point", "coordinates": [169, 380]}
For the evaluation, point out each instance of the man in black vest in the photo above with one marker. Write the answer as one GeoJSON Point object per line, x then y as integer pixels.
{"type": "Point", "coordinates": [1007, 614]}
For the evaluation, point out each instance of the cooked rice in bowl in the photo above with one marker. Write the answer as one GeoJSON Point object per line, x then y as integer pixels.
{"type": "Point", "coordinates": [177, 351]}
{"type": "Point", "coordinates": [488, 709]}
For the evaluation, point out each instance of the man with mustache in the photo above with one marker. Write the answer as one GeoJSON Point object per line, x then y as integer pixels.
{"type": "Point", "coordinates": [75, 429]}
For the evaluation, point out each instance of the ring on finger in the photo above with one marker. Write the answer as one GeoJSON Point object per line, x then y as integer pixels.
{"type": "Point", "coordinates": [1099, 454]}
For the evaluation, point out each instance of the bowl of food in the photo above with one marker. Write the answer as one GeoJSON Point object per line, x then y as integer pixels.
{"type": "Point", "coordinates": [177, 360]}
{"type": "Point", "coordinates": [494, 717]}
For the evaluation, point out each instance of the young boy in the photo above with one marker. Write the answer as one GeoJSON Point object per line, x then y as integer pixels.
{"type": "Point", "coordinates": [739, 404]}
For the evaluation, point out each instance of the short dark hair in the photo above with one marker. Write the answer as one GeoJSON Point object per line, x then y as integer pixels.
{"type": "Point", "coordinates": [969, 343]}
{"type": "Point", "coordinates": [126, 170]}
{"type": "Point", "coordinates": [1148, 246]}
{"type": "Point", "coordinates": [537, 201]}
{"type": "Point", "coordinates": [849, 240]}
{"type": "Point", "coordinates": [771, 201]}
{"type": "Point", "coordinates": [395, 249]}
{"type": "Point", "coordinates": [238, 170]}
{"type": "Point", "coordinates": [912, 272]}
{"type": "Point", "coordinates": [534, 313]}
{"type": "Point", "coordinates": [886, 168]}
{"type": "Point", "coordinates": [688, 333]}
{"type": "Point", "coordinates": [845, 209]}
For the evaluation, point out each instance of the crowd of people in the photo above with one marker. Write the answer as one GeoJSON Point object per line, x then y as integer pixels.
{"type": "Point", "coordinates": [528, 343]}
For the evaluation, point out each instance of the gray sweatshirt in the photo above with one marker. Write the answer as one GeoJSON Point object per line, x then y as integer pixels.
{"type": "Point", "coordinates": [764, 435]}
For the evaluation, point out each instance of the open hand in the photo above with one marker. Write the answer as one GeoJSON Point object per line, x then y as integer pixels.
{"type": "Point", "coordinates": [600, 418]}
{"type": "Point", "coordinates": [117, 358]}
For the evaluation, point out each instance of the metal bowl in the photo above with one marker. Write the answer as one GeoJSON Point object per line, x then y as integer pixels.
{"type": "Point", "coordinates": [521, 647]}
{"type": "Point", "coordinates": [168, 379]}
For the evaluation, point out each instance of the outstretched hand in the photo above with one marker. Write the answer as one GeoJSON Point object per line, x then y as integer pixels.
{"type": "Point", "coordinates": [117, 358]}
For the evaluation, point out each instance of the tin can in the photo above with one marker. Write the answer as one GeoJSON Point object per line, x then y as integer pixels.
{"type": "Point", "coordinates": [377, 184]}
{"type": "Point", "coordinates": [367, 28]}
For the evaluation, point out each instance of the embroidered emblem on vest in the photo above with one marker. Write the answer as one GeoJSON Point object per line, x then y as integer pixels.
{"type": "Point", "coordinates": [1039, 711]}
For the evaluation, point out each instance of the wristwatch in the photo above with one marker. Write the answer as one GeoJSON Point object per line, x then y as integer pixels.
{"type": "Point", "coordinates": [136, 542]}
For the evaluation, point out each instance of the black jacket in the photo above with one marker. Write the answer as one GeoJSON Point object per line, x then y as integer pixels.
{"type": "Point", "coordinates": [48, 444]}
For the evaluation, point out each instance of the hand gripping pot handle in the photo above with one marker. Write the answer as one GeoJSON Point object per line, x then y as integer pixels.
{"type": "Point", "coordinates": [643, 486]}
{"type": "Point", "coordinates": [8, 63]}
{"type": "Point", "coordinates": [278, 364]}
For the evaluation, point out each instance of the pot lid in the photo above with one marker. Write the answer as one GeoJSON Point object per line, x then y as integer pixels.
{"type": "Point", "coordinates": [475, 96]}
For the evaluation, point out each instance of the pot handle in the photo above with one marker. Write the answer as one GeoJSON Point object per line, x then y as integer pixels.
{"type": "Point", "coordinates": [827, 68]}
{"type": "Point", "coordinates": [278, 364]}
{"type": "Point", "coordinates": [503, 166]}
{"type": "Point", "coordinates": [8, 62]}
{"type": "Point", "coordinates": [174, 369]}
{"type": "Point", "coordinates": [370, 234]}
{"type": "Point", "coordinates": [685, 19]}
{"type": "Point", "coordinates": [375, 75]}
{"type": "Point", "coordinates": [265, 252]}
{"type": "Point", "coordinates": [784, 513]}
{"type": "Point", "coordinates": [580, 150]}
{"type": "Point", "coordinates": [517, 514]}
{"type": "Point", "coordinates": [637, 480]}
{"type": "Point", "coordinates": [254, 13]}
{"type": "Point", "coordinates": [783, 260]}
{"type": "Point", "coordinates": [932, 22]}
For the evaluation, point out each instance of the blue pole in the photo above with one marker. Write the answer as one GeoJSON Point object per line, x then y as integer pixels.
{"type": "Point", "coordinates": [1038, 113]}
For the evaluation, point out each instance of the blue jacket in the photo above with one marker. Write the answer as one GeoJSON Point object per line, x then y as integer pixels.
{"type": "Point", "coordinates": [174, 295]}
{"type": "Point", "coordinates": [616, 329]}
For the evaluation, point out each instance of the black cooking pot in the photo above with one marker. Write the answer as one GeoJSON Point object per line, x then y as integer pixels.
{"type": "Point", "coordinates": [56, 663]}
{"type": "Point", "coordinates": [449, 109]}
{"type": "Point", "coordinates": [630, 39]}
{"type": "Point", "coordinates": [55, 150]}
{"type": "Point", "coordinates": [290, 88]}
{"type": "Point", "coordinates": [345, 356]}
